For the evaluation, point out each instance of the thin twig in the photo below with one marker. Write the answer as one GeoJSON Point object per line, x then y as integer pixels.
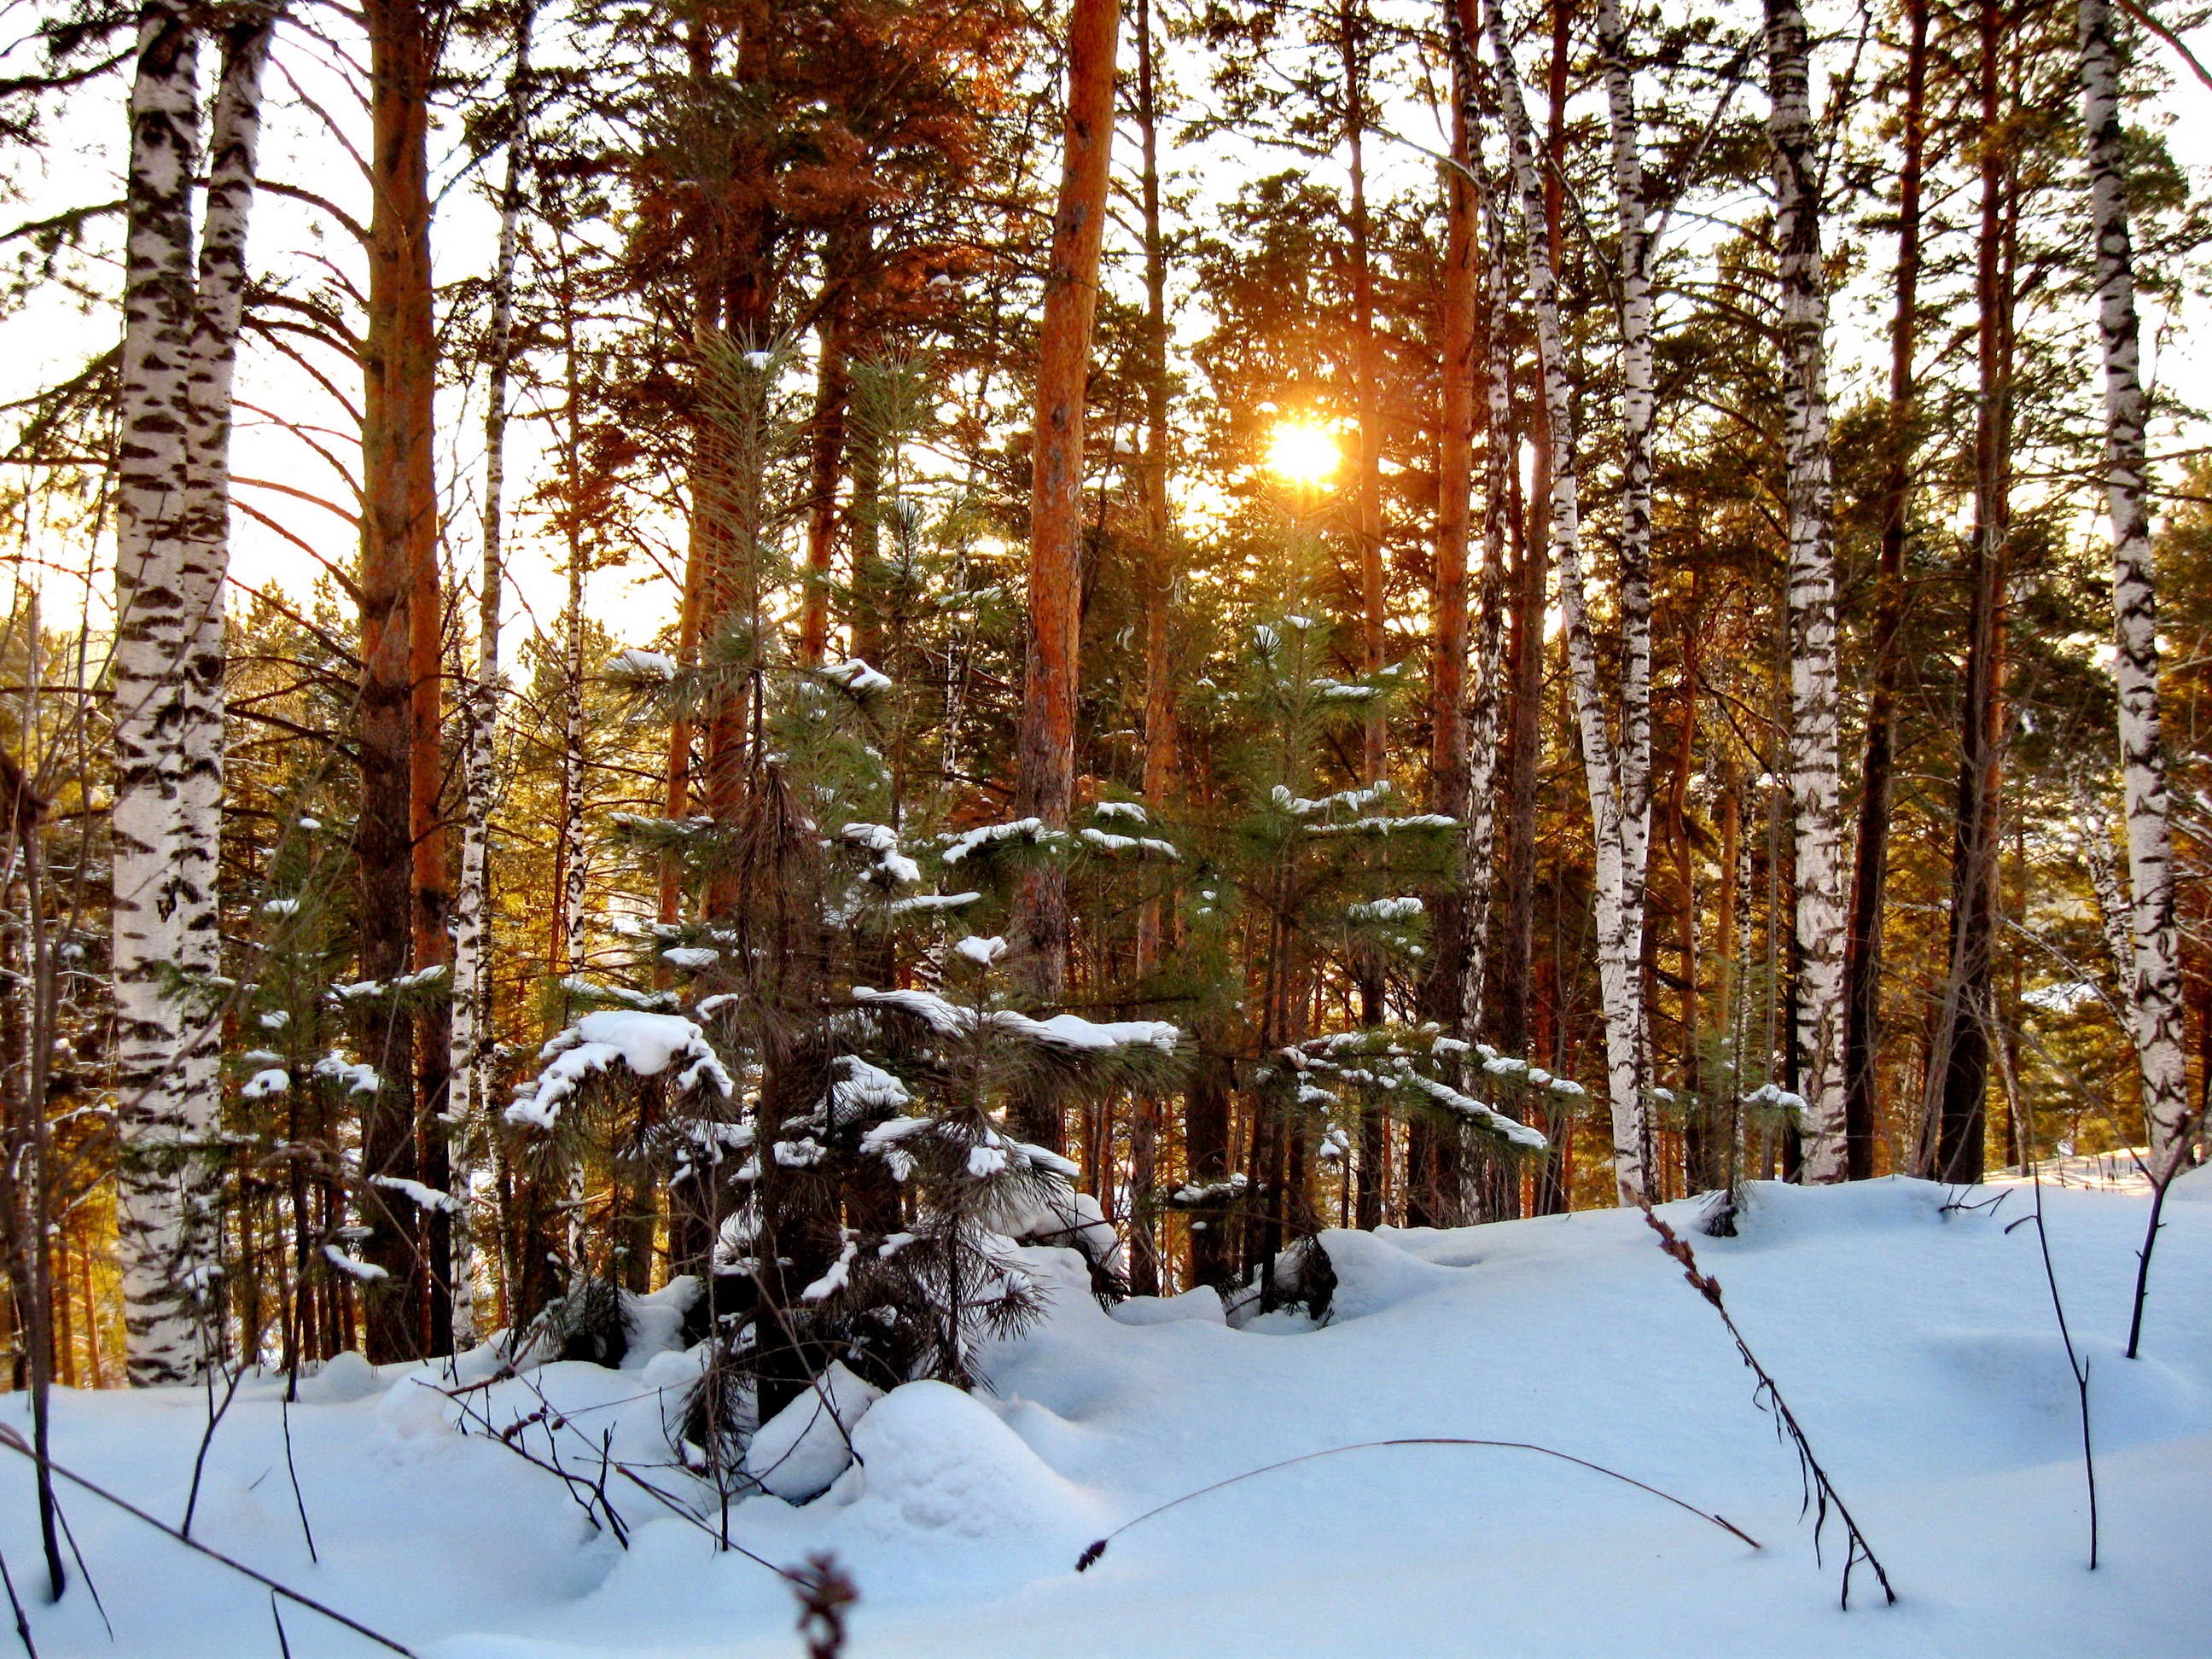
{"type": "Point", "coordinates": [1820, 1493]}
{"type": "Point", "coordinates": [215, 1414]}
{"type": "Point", "coordinates": [298, 1502]}
{"type": "Point", "coordinates": [15, 1605]}
{"type": "Point", "coordinates": [1090, 1556]}
{"type": "Point", "coordinates": [2078, 1365]}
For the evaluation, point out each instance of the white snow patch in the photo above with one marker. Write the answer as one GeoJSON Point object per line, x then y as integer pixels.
{"type": "Point", "coordinates": [799, 1452]}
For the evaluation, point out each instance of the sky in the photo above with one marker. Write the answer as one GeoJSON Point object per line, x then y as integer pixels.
{"type": "Point", "coordinates": [280, 475]}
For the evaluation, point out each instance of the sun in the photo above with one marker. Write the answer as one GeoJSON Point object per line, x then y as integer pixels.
{"type": "Point", "coordinates": [1301, 452]}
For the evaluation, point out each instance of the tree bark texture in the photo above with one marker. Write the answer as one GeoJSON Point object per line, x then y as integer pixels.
{"type": "Point", "coordinates": [1870, 867]}
{"type": "Point", "coordinates": [398, 544]}
{"type": "Point", "coordinates": [165, 1181]}
{"type": "Point", "coordinates": [1618, 934]}
{"type": "Point", "coordinates": [1810, 598]}
{"type": "Point", "coordinates": [1044, 780]}
{"type": "Point", "coordinates": [2155, 986]}
{"type": "Point", "coordinates": [468, 1092]}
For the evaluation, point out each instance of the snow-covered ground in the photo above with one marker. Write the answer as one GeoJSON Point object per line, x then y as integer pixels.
{"type": "Point", "coordinates": [1917, 1347]}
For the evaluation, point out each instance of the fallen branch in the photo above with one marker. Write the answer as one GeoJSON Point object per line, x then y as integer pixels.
{"type": "Point", "coordinates": [1090, 1557]}
{"type": "Point", "coordinates": [1818, 1488]}
{"type": "Point", "coordinates": [14, 1441]}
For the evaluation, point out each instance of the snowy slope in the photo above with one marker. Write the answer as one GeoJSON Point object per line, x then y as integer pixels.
{"type": "Point", "coordinates": [1917, 1347]}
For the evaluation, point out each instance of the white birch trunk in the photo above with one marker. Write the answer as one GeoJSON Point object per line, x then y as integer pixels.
{"type": "Point", "coordinates": [468, 1090]}
{"type": "Point", "coordinates": [1487, 658]}
{"type": "Point", "coordinates": [1619, 976]}
{"type": "Point", "coordinates": [572, 771]}
{"type": "Point", "coordinates": [233, 149]}
{"type": "Point", "coordinates": [1814, 746]}
{"type": "Point", "coordinates": [1637, 404]}
{"type": "Point", "coordinates": [2153, 986]}
{"type": "Point", "coordinates": [164, 1183]}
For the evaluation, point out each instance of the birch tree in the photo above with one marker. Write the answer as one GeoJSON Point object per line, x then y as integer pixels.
{"type": "Point", "coordinates": [2153, 987]}
{"type": "Point", "coordinates": [1614, 778]}
{"type": "Point", "coordinates": [233, 150]}
{"type": "Point", "coordinates": [1811, 592]}
{"type": "Point", "coordinates": [471, 1028]}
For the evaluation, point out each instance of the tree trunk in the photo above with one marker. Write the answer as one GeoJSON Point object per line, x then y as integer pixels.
{"type": "Point", "coordinates": [469, 1089]}
{"type": "Point", "coordinates": [2154, 986]}
{"type": "Point", "coordinates": [1870, 871]}
{"type": "Point", "coordinates": [232, 150]}
{"type": "Point", "coordinates": [1618, 947]}
{"type": "Point", "coordinates": [833, 390]}
{"type": "Point", "coordinates": [165, 1175]}
{"type": "Point", "coordinates": [1044, 776]}
{"type": "Point", "coordinates": [399, 545]}
{"type": "Point", "coordinates": [1966, 1024]}
{"type": "Point", "coordinates": [1159, 591]}
{"type": "Point", "coordinates": [1811, 594]}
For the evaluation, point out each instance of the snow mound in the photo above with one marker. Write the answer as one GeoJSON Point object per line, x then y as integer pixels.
{"type": "Point", "coordinates": [345, 1379]}
{"type": "Point", "coordinates": [654, 1324]}
{"type": "Point", "coordinates": [2194, 1187]}
{"type": "Point", "coordinates": [935, 1461]}
{"type": "Point", "coordinates": [805, 1446]}
{"type": "Point", "coordinates": [1202, 1304]}
{"type": "Point", "coordinates": [1373, 1273]}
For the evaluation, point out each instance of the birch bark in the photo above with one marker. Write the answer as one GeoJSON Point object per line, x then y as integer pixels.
{"type": "Point", "coordinates": [233, 145]}
{"type": "Point", "coordinates": [479, 700]}
{"type": "Point", "coordinates": [164, 1177]}
{"type": "Point", "coordinates": [2155, 986]}
{"type": "Point", "coordinates": [1620, 949]}
{"type": "Point", "coordinates": [1811, 597]}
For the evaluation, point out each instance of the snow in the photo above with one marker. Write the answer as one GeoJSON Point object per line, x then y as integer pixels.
{"type": "Point", "coordinates": [1106, 842]}
{"type": "Point", "coordinates": [1917, 1347]}
{"type": "Point", "coordinates": [857, 676]}
{"type": "Point", "coordinates": [425, 1198]}
{"type": "Point", "coordinates": [809, 1443]}
{"type": "Point", "coordinates": [968, 841]}
{"type": "Point", "coordinates": [641, 665]}
{"type": "Point", "coordinates": [645, 1044]}
{"type": "Point", "coordinates": [1069, 1032]}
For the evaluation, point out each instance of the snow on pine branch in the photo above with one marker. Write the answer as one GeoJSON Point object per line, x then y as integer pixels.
{"type": "Point", "coordinates": [1069, 1032]}
{"type": "Point", "coordinates": [985, 837]}
{"type": "Point", "coordinates": [644, 1044]}
{"type": "Point", "coordinates": [1106, 842]}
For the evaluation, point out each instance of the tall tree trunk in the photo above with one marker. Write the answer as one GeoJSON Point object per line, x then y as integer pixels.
{"type": "Point", "coordinates": [166, 1176]}
{"type": "Point", "coordinates": [826, 438]}
{"type": "Point", "coordinates": [1620, 978]}
{"type": "Point", "coordinates": [233, 149]}
{"type": "Point", "coordinates": [1159, 592]}
{"type": "Point", "coordinates": [1637, 403]}
{"type": "Point", "coordinates": [469, 1092]}
{"type": "Point", "coordinates": [1524, 669]}
{"type": "Point", "coordinates": [1811, 594]}
{"type": "Point", "coordinates": [1366, 389]}
{"type": "Point", "coordinates": [1044, 776]}
{"type": "Point", "coordinates": [399, 545]}
{"type": "Point", "coordinates": [1446, 991]}
{"type": "Point", "coordinates": [1966, 1023]}
{"type": "Point", "coordinates": [2154, 986]}
{"type": "Point", "coordinates": [1870, 870]}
